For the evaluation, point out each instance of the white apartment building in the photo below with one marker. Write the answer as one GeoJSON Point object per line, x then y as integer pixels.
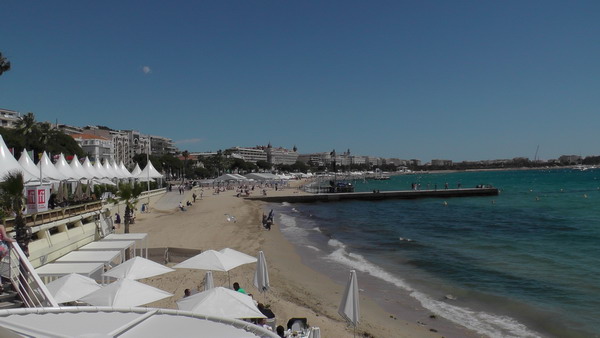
{"type": "Point", "coordinates": [249, 154]}
{"type": "Point", "coordinates": [8, 118]}
{"type": "Point", "coordinates": [281, 155]}
{"type": "Point", "coordinates": [96, 147]}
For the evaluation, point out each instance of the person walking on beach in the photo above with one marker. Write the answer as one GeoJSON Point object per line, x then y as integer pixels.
{"type": "Point", "coordinates": [194, 197]}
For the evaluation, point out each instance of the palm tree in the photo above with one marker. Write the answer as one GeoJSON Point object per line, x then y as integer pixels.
{"type": "Point", "coordinates": [4, 64]}
{"type": "Point", "coordinates": [26, 125]}
{"type": "Point", "coordinates": [46, 132]}
{"type": "Point", "coordinates": [12, 199]}
{"type": "Point", "coordinates": [185, 155]}
{"type": "Point", "coordinates": [129, 195]}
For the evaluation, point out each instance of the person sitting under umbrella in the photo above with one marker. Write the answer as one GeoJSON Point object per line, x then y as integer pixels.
{"type": "Point", "coordinates": [236, 287]}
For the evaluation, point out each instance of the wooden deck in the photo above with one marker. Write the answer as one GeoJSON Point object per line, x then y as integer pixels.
{"type": "Point", "coordinates": [383, 195]}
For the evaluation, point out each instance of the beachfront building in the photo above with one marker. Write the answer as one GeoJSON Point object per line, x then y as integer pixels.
{"type": "Point", "coordinates": [161, 145]}
{"type": "Point", "coordinates": [8, 118]}
{"type": "Point", "coordinates": [120, 141]}
{"type": "Point", "coordinates": [441, 163]}
{"type": "Point", "coordinates": [96, 147]}
{"type": "Point", "coordinates": [397, 162]}
{"type": "Point", "coordinates": [315, 160]}
{"type": "Point", "coordinates": [281, 155]}
{"type": "Point", "coordinates": [252, 155]}
{"type": "Point", "coordinates": [570, 159]}
{"type": "Point", "coordinates": [359, 160]}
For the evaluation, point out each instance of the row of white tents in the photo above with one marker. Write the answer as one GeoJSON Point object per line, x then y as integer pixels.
{"type": "Point", "coordinates": [259, 177]}
{"type": "Point", "coordinates": [47, 172]}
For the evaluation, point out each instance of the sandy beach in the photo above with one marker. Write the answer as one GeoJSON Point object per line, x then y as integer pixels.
{"type": "Point", "coordinates": [296, 290]}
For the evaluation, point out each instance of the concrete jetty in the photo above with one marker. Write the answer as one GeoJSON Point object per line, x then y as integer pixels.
{"type": "Point", "coordinates": [383, 195]}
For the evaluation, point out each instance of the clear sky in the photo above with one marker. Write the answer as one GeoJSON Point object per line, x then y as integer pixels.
{"type": "Point", "coordinates": [459, 80]}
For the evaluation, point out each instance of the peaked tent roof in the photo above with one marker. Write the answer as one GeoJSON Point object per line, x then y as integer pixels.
{"type": "Point", "coordinates": [153, 172]}
{"type": "Point", "coordinates": [87, 165]}
{"type": "Point", "coordinates": [136, 171]}
{"type": "Point", "coordinates": [100, 170]}
{"type": "Point", "coordinates": [109, 170]}
{"type": "Point", "coordinates": [49, 170]}
{"type": "Point", "coordinates": [126, 172]}
{"type": "Point", "coordinates": [27, 163]}
{"type": "Point", "coordinates": [8, 163]}
{"type": "Point", "coordinates": [117, 170]}
{"type": "Point", "coordinates": [79, 169]}
{"type": "Point", "coordinates": [64, 168]}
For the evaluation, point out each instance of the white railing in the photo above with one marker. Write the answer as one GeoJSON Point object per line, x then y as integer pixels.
{"type": "Point", "coordinates": [25, 281]}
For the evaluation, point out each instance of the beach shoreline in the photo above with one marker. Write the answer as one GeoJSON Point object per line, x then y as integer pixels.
{"type": "Point", "coordinates": [297, 289]}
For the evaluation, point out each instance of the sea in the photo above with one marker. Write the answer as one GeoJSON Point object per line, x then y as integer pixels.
{"type": "Point", "coordinates": [525, 263]}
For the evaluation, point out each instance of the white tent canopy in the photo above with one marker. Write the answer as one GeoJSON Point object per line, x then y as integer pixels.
{"type": "Point", "coordinates": [100, 170]}
{"type": "Point", "coordinates": [261, 176]}
{"type": "Point", "coordinates": [136, 171]}
{"type": "Point", "coordinates": [230, 178]}
{"type": "Point", "coordinates": [27, 163]}
{"type": "Point", "coordinates": [149, 171]}
{"type": "Point", "coordinates": [87, 166]}
{"type": "Point", "coordinates": [238, 256]}
{"type": "Point", "coordinates": [8, 163]}
{"type": "Point", "coordinates": [64, 168]}
{"type": "Point", "coordinates": [79, 170]}
{"type": "Point", "coordinates": [71, 287]}
{"type": "Point", "coordinates": [115, 168]}
{"type": "Point", "coordinates": [126, 173]}
{"type": "Point", "coordinates": [125, 293]}
{"type": "Point", "coordinates": [221, 302]}
{"type": "Point", "coordinates": [49, 170]}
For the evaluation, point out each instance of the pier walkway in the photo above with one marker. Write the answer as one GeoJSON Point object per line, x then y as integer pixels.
{"type": "Point", "coordinates": [383, 195]}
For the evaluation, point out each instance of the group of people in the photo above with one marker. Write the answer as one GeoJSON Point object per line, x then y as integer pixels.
{"type": "Point", "coordinates": [267, 221]}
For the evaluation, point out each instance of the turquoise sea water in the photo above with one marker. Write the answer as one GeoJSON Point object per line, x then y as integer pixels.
{"type": "Point", "coordinates": [525, 263]}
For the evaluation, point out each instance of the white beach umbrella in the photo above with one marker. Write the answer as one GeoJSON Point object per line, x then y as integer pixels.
{"type": "Point", "coordinates": [349, 308]}
{"type": "Point", "coordinates": [125, 293]}
{"type": "Point", "coordinates": [221, 302]}
{"type": "Point", "coordinates": [238, 256]}
{"type": "Point", "coordinates": [314, 332]}
{"type": "Point", "coordinates": [261, 275]}
{"type": "Point", "coordinates": [137, 268]}
{"type": "Point", "coordinates": [72, 287]}
{"type": "Point", "coordinates": [208, 281]}
{"type": "Point", "coordinates": [212, 260]}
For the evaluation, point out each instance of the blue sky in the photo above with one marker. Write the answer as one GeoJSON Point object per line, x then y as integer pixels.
{"type": "Point", "coordinates": [459, 80]}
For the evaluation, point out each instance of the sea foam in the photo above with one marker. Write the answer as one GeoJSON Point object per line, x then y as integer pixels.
{"type": "Point", "coordinates": [480, 322]}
